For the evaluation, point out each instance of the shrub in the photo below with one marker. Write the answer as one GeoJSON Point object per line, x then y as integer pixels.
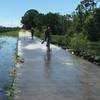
{"type": "Point", "coordinates": [78, 42]}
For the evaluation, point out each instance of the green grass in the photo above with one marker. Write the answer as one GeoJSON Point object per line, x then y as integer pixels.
{"type": "Point", "coordinates": [59, 39]}
{"type": "Point", "coordinates": [10, 33]}
{"type": "Point", "coordinates": [94, 48]}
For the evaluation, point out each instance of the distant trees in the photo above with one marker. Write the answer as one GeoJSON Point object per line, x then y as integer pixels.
{"type": "Point", "coordinates": [32, 18]}
{"type": "Point", "coordinates": [7, 29]}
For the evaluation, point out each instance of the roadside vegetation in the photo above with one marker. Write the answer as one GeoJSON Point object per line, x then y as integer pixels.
{"type": "Point", "coordinates": [7, 31]}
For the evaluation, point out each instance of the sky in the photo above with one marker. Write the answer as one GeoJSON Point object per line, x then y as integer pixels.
{"type": "Point", "coordinates": [11, 11]}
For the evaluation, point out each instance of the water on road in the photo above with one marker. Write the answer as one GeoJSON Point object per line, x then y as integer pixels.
{"type": "Point", "coordinates": [55, 75]}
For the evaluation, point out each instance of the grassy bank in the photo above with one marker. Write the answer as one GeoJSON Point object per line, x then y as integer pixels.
{"type": "Point", "coordinates": [10, 33]}
{"type": "Point", "coordinates": [76, 43]}
{"type": "Point", "coordinates": [84, 45]}
{"type": "Point", "coordinates": [94, 48]}
{"type": "Point", "coordinates": [59, 39]}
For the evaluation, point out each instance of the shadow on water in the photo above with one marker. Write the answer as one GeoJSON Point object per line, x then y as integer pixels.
{"type": "Point", "coordinates": [7, 58]}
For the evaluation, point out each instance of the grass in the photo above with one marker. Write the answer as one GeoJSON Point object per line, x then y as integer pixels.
{"type": "Point", "coordinates": [10, 33]}
{"type": "Point", "coordinates": [58, 39]}
{"type": "Point", "coordinates": [94, 48]}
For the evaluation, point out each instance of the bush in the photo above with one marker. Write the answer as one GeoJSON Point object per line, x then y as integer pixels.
{"type": "Point", "coordinates": [59, 39]}
{"type": "Point", "coordinates": [78, 42]}
{"type": "Point", "coordinates": [38, 33]}
{"type": "Point", "coordinates": [94, 48]}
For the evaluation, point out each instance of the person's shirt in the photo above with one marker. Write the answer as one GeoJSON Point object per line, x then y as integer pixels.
{"type": "Point", "coordinates": [48, 33]}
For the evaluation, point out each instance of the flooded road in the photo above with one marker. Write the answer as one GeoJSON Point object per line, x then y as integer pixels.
{"type": "Point", "coordinates": [55, 75]}
{"type": "Point", "coordinates": [7, 57]}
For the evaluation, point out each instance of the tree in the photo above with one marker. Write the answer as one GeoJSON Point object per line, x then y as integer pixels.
{"type": "Point", "coordinates": [40, 21]}
{"type": "Point", "coordinates": [28, 19]}
{"type": "Point", "coordinates": [53, 20]}
{"type": "Point", "coordinates": [80, 17]}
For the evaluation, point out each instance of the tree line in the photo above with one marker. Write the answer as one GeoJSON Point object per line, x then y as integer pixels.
{"type": "Point", "coordinates": [84, 20]}
{"type": "Point", "coordinates": [8, 29]}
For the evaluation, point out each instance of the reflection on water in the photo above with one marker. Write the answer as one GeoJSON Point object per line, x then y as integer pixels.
{"type": "Point", "coordinates": [47, 60]}
{"type": "Point", "coordinates": [7, 54]}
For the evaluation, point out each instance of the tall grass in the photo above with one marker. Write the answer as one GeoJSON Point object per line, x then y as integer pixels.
{"type": "Point", "coordinates": [10, 33]}
{"type": "Point", "coordinates": [94, 48]}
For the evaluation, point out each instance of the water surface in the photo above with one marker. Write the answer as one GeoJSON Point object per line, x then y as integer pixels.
{"type": "Point", "coordinates": [7, 57]}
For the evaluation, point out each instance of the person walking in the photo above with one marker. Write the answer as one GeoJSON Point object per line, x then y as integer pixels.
{"type": "Point", "coordinates": [32, 32]}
